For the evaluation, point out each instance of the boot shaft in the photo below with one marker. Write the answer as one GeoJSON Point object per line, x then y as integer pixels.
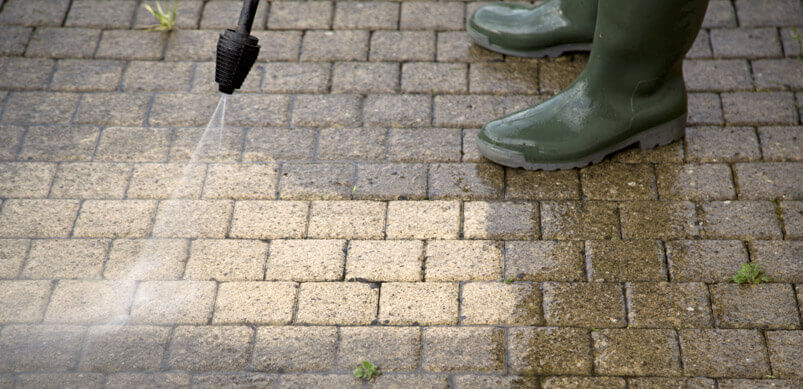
{"type": "Point", "coordinates": [638, 43]}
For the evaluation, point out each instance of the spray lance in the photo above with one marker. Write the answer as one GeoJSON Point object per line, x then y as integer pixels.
{"type": "Point", "coordinates": [236, 51]}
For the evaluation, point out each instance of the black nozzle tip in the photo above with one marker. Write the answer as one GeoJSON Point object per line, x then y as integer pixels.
{"type": "Point", "coordinates": [225, 89]}
{"type": "Point", "coordinates": [236, 53]}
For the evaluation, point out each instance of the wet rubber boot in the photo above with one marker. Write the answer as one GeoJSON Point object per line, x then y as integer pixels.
{"type": "Point", "coordinates": [631, 91]}
{"type": "Point", "coordinates": [549, 29]}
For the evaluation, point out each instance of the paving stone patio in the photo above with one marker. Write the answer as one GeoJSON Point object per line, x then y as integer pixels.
{"type": "Point", "coordinates": [346, 214]}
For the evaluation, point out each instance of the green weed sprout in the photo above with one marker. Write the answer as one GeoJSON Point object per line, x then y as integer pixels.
{"type": "Point", "coordinates": [749, 273]}
{"type": "Point", "coordinates": [796, 36]}
{"type": "Point", "coordinates": [367, 371]}
{"type": "Point", "coordinates": [167, 20]}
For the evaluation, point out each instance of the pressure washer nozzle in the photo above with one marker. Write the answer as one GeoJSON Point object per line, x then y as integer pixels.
{"type": "Point", "coordinates": [236, 53]}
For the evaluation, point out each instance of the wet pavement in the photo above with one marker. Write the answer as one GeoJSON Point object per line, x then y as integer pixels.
{"type": "Point", "coordinates": [346, 215]}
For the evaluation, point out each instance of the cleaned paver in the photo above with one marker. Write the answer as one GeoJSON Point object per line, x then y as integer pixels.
{"type": "Point", "coordinates": [173, 302]}
{"type": "Point", "coordinates": [62, 143]}
{"type": "Point", "coordinates": [23, 301]}
{"type": "Point", "coordinates": [306, 260]}
{"type": "Point", "coordinates": [37, 347]}
{"type": "Point", "coordinates": [90, 302]}
{"type": "Point", "coordinates": [12, 256]}
{"type": "Point", "coordinates": [347, 219]}
{"type": "Point", "coordinates": [166, 180]}
{"type": "Point", "coordinates": [332, 303]}
{"type": "Point", "coordinates": [346, 214]}
{"type": "Point", "coordinates": [90, 180]}
{"type": "Point", "coordinates": [191, 145]}
{"type": "Point", "coordinates": [112, 348]}
{"type": "Point", "coordinates": [65, 258]}
{"type": "Point", "coordinates": [501, 303]}
{"type": "Point", "coordinates": [255, 302]}
{"type": "Point", "coordinates": [395, 348]}
{"type": "Point", "coordinates": [202, 348]}
{"type": "Point", "coordinates": [192, 218]}
{"type": "Point", "coordinates": [226, 260]}
{"type": "Point", "coordinates": [146, 259]}
{"type": "Point", "coordinates": [114, 219]}
{"type": "Point", "coordinates": [463, 260]}
{"type": "Point", "coordinates": [269, 219]}
{"type": "Point", "coordinates": [427, 303]}
{"type": "Point", "coordinates": [289, 348]}
{"type": "Point", "coordinates": [37, 218]}
{"type": "Point", "coordinates": [385, 260]}
{"type": "Point", "coordinates": [423, 219]}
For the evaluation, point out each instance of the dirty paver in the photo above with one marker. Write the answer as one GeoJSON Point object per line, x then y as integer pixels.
{"type": "Point", "coordinates": [346, 214]}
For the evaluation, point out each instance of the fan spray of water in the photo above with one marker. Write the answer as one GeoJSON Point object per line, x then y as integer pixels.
{"type": "Point", "coordinates": [214, 129]}
{"type": "Point", "coordinates": [151, 261]}
{"type": "Point", "coordinates": [174, 223]}
{"type": "Point", "coordinates": [218, 119]}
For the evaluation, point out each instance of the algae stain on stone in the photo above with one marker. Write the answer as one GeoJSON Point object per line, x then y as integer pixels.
{"type": "Point", "coordinates": [527, 309]}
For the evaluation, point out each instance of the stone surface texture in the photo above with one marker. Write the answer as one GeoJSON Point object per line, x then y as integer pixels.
{"type": "Point", "coordinates": [346, 214]}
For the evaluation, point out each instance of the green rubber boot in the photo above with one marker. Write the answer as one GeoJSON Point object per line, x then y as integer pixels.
{"type": "Point", "coordinates": [631, 91]}
{"type": "Point", "coordinates": [550, 29]}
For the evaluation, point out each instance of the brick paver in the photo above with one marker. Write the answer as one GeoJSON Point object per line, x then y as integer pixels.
{"type": "Point", "coordinates": [345, 214]}
{"type": "Point", "coordinates": [462, 348]}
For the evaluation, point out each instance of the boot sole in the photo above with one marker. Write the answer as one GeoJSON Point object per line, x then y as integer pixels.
{"type": "Point", "coordinates": [659, 135]}
{"type": "Point", "coordinates": [552, 52]}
